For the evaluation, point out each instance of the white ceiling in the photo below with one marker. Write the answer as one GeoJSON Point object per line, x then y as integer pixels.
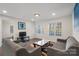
{"type": "Point", "coordinates": [27, 10]}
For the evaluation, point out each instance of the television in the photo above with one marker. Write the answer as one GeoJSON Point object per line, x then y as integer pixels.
{"type": "Point", "coordinates": [22, 34]}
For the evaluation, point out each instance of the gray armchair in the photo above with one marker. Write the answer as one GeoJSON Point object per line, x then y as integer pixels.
{"type": "Point", "coordinates": [62, 48]}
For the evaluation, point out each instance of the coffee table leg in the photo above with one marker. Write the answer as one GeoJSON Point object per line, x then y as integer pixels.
{"type": "Point", "coordinates": [34, 45]}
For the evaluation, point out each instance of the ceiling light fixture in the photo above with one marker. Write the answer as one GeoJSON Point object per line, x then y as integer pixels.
{"type": "Point", "coordinates": [37, 14]}
{"type": "Point", "coordinates": [4, 11]}
{"type": "Point", "coordinates": [53, 14]}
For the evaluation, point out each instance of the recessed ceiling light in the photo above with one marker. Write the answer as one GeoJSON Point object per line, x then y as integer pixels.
{"type": "Point", "coordinates": [53, 14]}
{"type": "Point", "coordinates": [4, 11]}
{"type": "Point", "coordinates": [37, 14]}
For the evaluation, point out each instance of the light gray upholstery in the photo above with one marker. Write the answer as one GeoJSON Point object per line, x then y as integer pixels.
{"type": "Point", "coordinates": [61, 48]}
{"type": "Point", "coordinates": [56, 50]}
{"type": "Point", "coordinates": [12, 49]}
{"type": "Point", "coordinates": [71, 42]}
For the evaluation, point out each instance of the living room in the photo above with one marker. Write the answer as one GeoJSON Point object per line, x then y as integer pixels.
{"type": "Point", "coordinates": [30, 26]}
{"type": "Point", "coordinates": [48, 22]}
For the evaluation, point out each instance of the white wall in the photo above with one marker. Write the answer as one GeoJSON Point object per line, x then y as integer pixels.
{"type": "Point", "coordinates": [66, 28]}
{"type": "Point", "coordinates": [0, 32]}
{"type": "Point", "coordinates": [6, 22]}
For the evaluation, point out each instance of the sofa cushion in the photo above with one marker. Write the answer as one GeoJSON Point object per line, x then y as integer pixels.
{"type": "Point", "coordinates": [60, 46]}
{"type": "Point", "coordinates": [21, 52]}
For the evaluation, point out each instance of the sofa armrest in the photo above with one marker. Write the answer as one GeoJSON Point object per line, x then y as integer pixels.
{"type": "Point", "coordinates": [36, 52]}
{"type": "Point", "coordinates": [21, 52]}
{"type": "Point", "coordinates": [13, 46]}
{"type": "Point", "coordinates": [61, 40]}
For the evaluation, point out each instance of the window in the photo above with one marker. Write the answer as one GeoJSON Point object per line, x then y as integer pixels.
{"type": "Point", "coordinates": [39, 29]}
{"type": "Point", "coordinates": [51, 29]}
{"type": "Point", "coordinates": [58, 29]}
{"type": "Point", "coordinates": [55, 29]}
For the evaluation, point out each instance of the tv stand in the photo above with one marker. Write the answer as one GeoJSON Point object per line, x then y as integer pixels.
{"type": "Point", "coordinates": [23, 39]}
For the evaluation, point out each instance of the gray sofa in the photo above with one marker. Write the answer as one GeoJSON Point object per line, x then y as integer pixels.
{"type": "Point", "coordinates": [11, 48]}
{"type": "Point", "coordinates": [62, 48]}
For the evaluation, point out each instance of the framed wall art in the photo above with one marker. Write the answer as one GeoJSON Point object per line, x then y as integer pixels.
{"type": "Point", "coordinates": [21, 26]}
